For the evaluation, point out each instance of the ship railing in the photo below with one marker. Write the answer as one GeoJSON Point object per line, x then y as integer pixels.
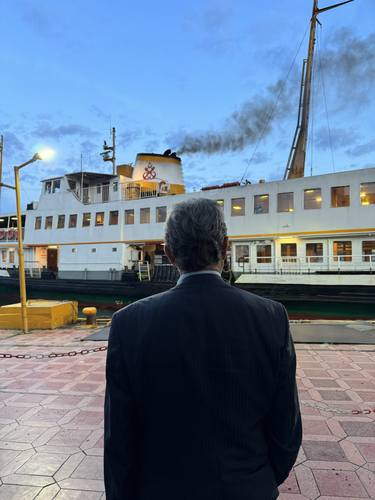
{"type": "Point", "coordinates": [135, 191]}
{"type": "Point", "coordinates": [307, 264]}
{"type": "Point", "coordinates": [33, 269]}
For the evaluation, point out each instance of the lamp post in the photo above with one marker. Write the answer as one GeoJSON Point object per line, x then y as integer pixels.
{"type": "Point", "coordinates": [48, 153]}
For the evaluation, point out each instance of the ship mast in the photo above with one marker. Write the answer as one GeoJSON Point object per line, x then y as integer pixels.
{"type": "Point", "coordinates": [296, 162]}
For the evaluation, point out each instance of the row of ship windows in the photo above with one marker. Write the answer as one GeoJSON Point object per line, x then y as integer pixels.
{"type": "Point", "coordinates": [340, 197]}
{"type": "Point", "coordinates": [342, 251]}
{"type": "Point", "coordinates": [145, 218]}
{"type": "Point", "coordinates": [312, 199]}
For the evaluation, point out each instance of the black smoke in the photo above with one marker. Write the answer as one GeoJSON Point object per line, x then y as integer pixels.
{"type": "Point", "coordinates": [242, 127]}
{"type": "Point", "coordinates": [347, 64]}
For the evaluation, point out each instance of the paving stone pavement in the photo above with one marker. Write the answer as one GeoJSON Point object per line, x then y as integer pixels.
{"type": "Point", "coordinates": [51, 420]}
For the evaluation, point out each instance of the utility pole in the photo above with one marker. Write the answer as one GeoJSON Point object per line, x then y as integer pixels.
{"type": "Point", "coordinates": [106, 154]}
{"type": "Point", "coordinates": [296, 162]}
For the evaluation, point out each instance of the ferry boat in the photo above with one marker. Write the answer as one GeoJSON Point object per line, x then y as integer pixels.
{"type": "Point", "coordinates": [308, 237]}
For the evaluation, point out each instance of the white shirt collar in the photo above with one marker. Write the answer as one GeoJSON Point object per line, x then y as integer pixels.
{"type": "Point", "coordinates": [195, 273]}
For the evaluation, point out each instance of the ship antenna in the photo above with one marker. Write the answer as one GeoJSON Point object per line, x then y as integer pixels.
{"type": "Point", "coordinates": [296, 161]}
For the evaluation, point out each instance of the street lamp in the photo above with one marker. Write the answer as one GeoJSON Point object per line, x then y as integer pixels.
{"type": "Point", "coordinates": [42, 155]}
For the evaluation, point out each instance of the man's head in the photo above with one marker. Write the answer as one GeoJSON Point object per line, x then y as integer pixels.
{"type": "Point", "coordinates": [196, 236]}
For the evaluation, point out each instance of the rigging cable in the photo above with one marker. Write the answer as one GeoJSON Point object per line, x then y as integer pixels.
{"type": "Point", "coordinates": [273, 109]}
{"type": "Point", "coordinates": [321, 74]}
{"type": "Point", "coordinates": [313, 100]}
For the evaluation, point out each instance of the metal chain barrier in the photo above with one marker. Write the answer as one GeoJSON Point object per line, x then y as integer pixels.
{"type": "Point", "coordinates": [70, 354]}
{"type": "Point", "coordinates": [338, 411]}
{"type": "Point", "coordinates": [53, 354]}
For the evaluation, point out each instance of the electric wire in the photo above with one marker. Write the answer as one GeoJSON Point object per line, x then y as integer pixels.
{"type": "Point", "coordinates": [274, 107]}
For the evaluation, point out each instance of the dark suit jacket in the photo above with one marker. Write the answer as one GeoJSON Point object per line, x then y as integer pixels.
{"type": "Point", "coordinates": [201, 400]}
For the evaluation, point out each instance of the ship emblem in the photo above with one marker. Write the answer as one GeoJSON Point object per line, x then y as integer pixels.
{"type": "Point", "coordinates": [149, 172]}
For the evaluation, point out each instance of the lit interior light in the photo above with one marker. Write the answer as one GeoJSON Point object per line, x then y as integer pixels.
{"type": "Point", "coordinates": [363, 195]}
{"type": "Point", "coordinates": [365, 202]}
{"type": "Point", "coordinates": [264, 196]}
{"type": "Point", "coordinates": [237, 207]}
{"type": "Point", "coordinates": [1, 220]}
{"type": "Point", "coordinates": [13, 218]}
{"type": "Point", "coordinates": [291, 210]}
{"type": "Point", "coordinates": [220, 202]}
{"type": "Point", "coordinates": [46, 154]}
{"type": "Point", "coordinates": [318, 198]}
{"type": "Point", "coordinates": [309, 190]}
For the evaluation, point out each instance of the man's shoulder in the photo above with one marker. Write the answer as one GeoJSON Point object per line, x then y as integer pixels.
{"type": "Point", "coordinates": [141, 306]}
{"type": "Point", "coordinates": [257, 301]}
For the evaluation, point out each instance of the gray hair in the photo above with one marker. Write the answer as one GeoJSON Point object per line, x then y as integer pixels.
{"type": "Point", "coordinates": [195, 233]}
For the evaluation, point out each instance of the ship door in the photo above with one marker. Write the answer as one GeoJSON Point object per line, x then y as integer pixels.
{"type": "Point", "coordinates": [52, 257]}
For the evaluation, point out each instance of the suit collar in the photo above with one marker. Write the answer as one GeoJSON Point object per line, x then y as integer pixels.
{"type": "Point", "coordinates": [184, 276]}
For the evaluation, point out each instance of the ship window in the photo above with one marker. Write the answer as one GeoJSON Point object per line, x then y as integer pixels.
{"type": "Point", "coordinates": [261, 203]}
{"type": "Point", "coordinates": [289, 252]}
{"type": "Point", "coordinates": [73, 220]}
{"type": "Point", "coordinates": [74, 250]}
{"type": "Point", "coordinates": [114, 249]}
{"type": "Point", "coordinates": [4, 255]}
{"type": "Point", "coordinates": [342, 251]}
{"type": "Point", "coordinates": [129, 216]}
{"type": "Point", "coordinates": [93, 250]}
{"type": "Point", "coordinates": [61, 222]}
{"type": "Point", "coordinates": [98, 189]}
{"type": "Point", "coordinates": [242, 253]}
{"type": "Point", "coordinates": [115, 187]}
{"type": "Point", "coordinates": [113, 217]}
{"type": "Point", "coordinates": [368, 193]}
{"type": "Point", "coordinates": [285, 202]}
{"type": "Point", "coordinates": [48, 222]}
{"type": "Point", "coordinates": [56, 186]}
{"type": "Point", "coordinates": [312, 199]}
{"type": "Point", "coordinates": [144, 215]}
{"type": "Point", "coordinates": [161, 214]}
{"type": "Point", "coordinates": [99, 219]}
{"type": "Point", "coordinates": [220, 203]}
{"type": "Point", "coordinates": [314, 252]}
{"type": "Point", "coordinates": [238, 206]}
{"type": "Point", "coordinates": [11, 256]}
{"type": "Point", "coordinates": [38, 223]}
{"type": "Point", "coordinates": [86, 219]}
{"type": "Point", "coordinates": [72, 184]}
{"type": "Point", "coordinates": [340, 196]}
{"type": "Point", "coordinates": [48, 187]}
{"type": "Point", "coordinates": [368, 251]}
{"type": "Point", "coordinates": [264, 253]}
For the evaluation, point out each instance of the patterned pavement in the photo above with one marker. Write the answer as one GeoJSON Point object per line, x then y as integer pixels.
{"type": "Point", "coordinates": [51, 420]}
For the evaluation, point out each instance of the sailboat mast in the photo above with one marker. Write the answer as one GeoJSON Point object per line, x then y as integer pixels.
{"type": "Point", "coordinates": [296, 162]}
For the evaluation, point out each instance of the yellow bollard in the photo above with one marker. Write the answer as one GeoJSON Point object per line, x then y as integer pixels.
{"type": "Point", "coordinates": [90, 313]}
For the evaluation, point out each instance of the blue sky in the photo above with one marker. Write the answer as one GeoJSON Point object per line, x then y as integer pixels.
{"type": "Point", "coordinates": [159, 71]}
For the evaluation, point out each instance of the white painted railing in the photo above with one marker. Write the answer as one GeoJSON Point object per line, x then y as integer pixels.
{"type": "Point", "coordinates": [302, 265]}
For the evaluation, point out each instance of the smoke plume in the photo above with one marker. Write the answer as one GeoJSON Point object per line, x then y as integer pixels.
{"type": "Point", "coordinates": [242, 127]}
{"type": "Point", "coordinates": [347, 64]}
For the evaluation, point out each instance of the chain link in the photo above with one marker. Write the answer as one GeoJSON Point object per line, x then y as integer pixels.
{"type": "Point", "coordinates": [338, 411]}
{"type": "Point", "coordinates": [52, 355]}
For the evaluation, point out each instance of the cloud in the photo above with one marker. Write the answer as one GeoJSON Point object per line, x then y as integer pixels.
{"type": "Point", "coordinates": [338, 138]}
{"type": "Point", "coordinates": [13, 146]}
{"type": "Point", "coordinates": [259, 157]}
{"type": "Point", "coordinates": [362, 149]}
{"type": "Point", "coordinates": [129, 136]}
{"type": "Point", "coordinates": [46, 129]}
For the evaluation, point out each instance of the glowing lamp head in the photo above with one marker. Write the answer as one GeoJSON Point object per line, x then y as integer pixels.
{"type": "Point", "coordinates": [45, 154]}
